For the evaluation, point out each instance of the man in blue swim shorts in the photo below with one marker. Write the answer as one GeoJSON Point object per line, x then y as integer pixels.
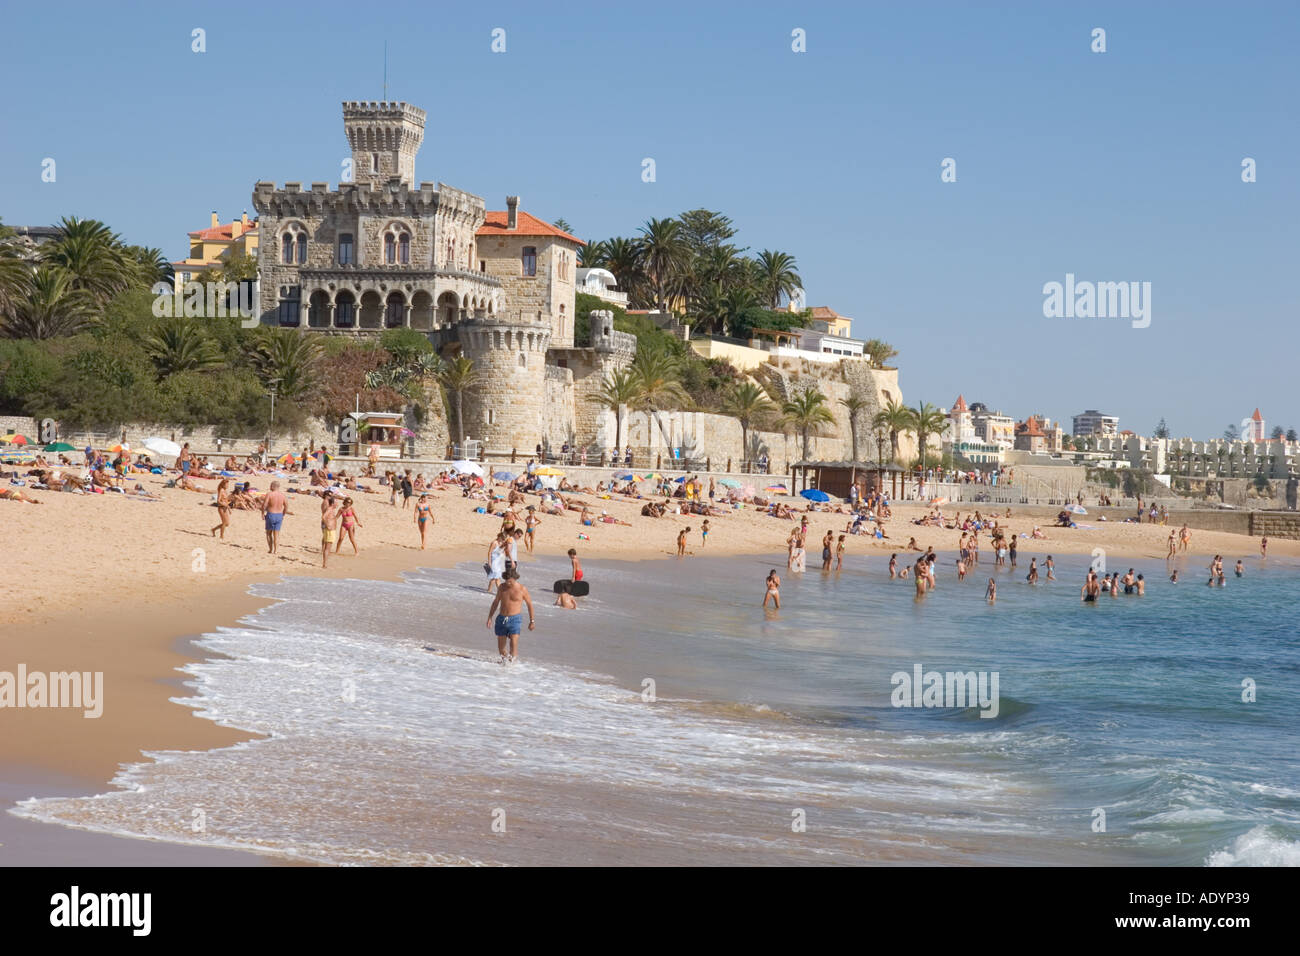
{"type": "Point", "coordinates": [510, 598]}
{"type": "Point", "coordinates": [274, 507]}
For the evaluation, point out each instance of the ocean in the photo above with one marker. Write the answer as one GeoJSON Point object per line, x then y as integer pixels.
{"type": "Point", "coordinates": [671, 720]}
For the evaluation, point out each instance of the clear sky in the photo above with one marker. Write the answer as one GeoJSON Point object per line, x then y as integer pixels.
{"type": "Point", "coordinates": [1115, 166]}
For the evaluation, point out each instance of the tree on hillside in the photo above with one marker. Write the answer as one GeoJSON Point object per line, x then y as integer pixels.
{"type": "Point", "coordinates": [93, 257]}
{"type": "Point", "coordinates": [594, 255]}
{"type": "Point", "coordinates": [657, 373]}
{"type": "Point", "coordinates": [52, 307]}
{"type": "Point", "coordinates": [879, 352]}
{"type": "Point", "coordinates": [806, 411]}
{"type": "Point", "coordinates": [180, 345]}
{"type": "Point", "coordinates": [1278, 433]}
{"type": "Point", "coordinates": [1232, 433]}
{"type": "Point", "coordinates": [623, 258]}
{"type": "Point", "coordinates": [777, 276]}
{"type": "Point", "coordinates": [703, 230]}
{"type": "Point", "coordinates": [856, 405]}
{"type": "Point", "coordinates": [284, 358]}
{"type": "Point", "coordinates": [895, 418]}
{"type": "Point", "coordinates": [563, 225]}
{"type": "Point", "coordinates": [1291, 434]}
{"type": "Point", "coordinates": [619, 389]}
{"type": "Point", "coordinates": [15, 283]}
{"type": "Point", "coordinates": [1162, 430]}
{"type": "Point", "coordinates": [458, 377]}
{"type": "Point", "coordinates": [747, 402]}
{"type": "Point", "coordinates": [663, 255]}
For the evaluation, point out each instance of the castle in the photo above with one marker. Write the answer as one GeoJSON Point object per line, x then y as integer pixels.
{"type": "Point", "coordinates": [381, 252]}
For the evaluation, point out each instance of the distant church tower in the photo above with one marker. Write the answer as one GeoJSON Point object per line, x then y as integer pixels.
{"type": "Point", "coordinates": [385, 138]}
{"type": "Point", "coordinates": [1257, 427]}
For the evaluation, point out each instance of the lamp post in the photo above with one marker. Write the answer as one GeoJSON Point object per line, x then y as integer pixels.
{"type": "Point", "coordinates": [273, 385]}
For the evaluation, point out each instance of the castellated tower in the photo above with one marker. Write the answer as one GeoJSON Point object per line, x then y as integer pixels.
{"type": "Point", "coordinates": [504, 408]}
{"type": "Point", "coordinates": [385, 138]}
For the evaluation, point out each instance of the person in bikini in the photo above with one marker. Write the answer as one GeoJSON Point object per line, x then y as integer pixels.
{"type": "Point", "coordinates": [423, 518]}
{"type": "Point", "coordinates": [350, 521]}
{"type": "Point", "coordinates": [773, 589]}
{"type": "Point", "coordinates": [531, 521]}
{"type": "Point", "coordinates": [223, 509]}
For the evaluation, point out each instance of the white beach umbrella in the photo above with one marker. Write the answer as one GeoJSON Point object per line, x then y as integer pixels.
{"type": "Point", "coordinates": [467, 468]}
{"type": "Point", "coordinates": [162, 446]}
{"type": "Point", "coordinates": [1076, 509]}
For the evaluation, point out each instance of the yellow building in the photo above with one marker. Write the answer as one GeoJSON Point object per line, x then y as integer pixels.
{"type": "Point", "coordinates": [830, 322]}
{"type": "Point", "coordinates": [212, 247]}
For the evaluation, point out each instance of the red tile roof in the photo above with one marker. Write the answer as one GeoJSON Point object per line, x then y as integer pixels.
{"type": "Point", "coordinates": [528, 225]}
{"type": "Point", "coordinates": [1256, 417]}
{"type": "Point", "coordinates": [960, 405]}
{"type": "Point", "coordinates": [225, 231]}
{"type": "Point", "coordinates": [826, 313]}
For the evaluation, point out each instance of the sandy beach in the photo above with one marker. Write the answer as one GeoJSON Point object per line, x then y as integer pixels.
{"type": "Point", "coordinates": [104, 583]}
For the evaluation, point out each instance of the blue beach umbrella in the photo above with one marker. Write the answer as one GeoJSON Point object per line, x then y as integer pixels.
{"type": "Point", "coordinates": [812, 494]}
{"type": "Point", "coordinates": [680, 480]}
{"type": "Point", "coordinates": [625, 476]}
{"type": "Point", "coordinates": [504, 476]}
{"type": "Point", "coordinates": [729, 482]}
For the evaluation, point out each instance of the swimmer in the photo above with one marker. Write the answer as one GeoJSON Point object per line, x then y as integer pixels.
{"type": "Point", "coordinates": [773, 589]}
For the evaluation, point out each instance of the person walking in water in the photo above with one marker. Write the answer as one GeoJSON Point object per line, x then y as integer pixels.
{"type": "Point", "coordinates": [510, 598]}
{"type": "Point", "coordinates": [328, 529]}
{"type": "Point", "coordinates": [773, 589]}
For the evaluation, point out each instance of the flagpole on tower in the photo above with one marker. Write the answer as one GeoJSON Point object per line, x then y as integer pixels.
{"type": "Point", "coordinates": [385, 71]}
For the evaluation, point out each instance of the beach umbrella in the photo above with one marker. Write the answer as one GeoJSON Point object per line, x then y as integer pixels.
{"type": "Point", "coordinates": [650, 476]}
{"type": "Point", "coordinates": [285, 459]}
{"type": "Point", "coordinates": [814, 494]}
{"type": "Point", "coordinates": [781, 488]}
{"type": "Point", "coordinates": [162, 446]}
{"type": "Point", "coordinates": [1076, 509]}
{"type": "Point", "coordinates": [939, 501]}
{"type": "Point", "coordinates": [504, 476]}
{"type": "Point", "coordinates": [625, 476]}
{"type": "Point", "coordinates": [13, 439]}
{"type": "Point", "coordinates": [467, 468]}
{"type": "Point", "coordinates": [123, 447]}
{"type": "Point", "coordinates": [678, 481]}
{"type": "Point", "coordinates": [548, 471]}
{"type": "Point", "coordinates": [729, 482]}
{"type": "Point", "coordinates": [59, 446]}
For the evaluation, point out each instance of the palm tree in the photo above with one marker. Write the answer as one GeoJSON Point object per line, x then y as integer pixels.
{"type": "Point", "coordinates": [806, 411]}
{"type": "Point", "coordinates": [286, 358]}
{"type": "Point", "coordinates": [746, 401]}
{"type": "Point", "coordinates": [926, 420]}
{"type": "Point", "coordinates": [152, 266]}
{"type": "Point", "coordinates": [458, 377]}
{"type": "Point", "coordinates": [894, 418]}
{"type": "Point", "coordinates": [879, 352]}
{"type": "Point", "coordinates": [92, 254]}
{"type": "Point", "coordinates": [617, 390]}
{"type": "Point", "coordinates": [15, 282]}
{"type": "Point", "coordinates": [711, 311]}
{"type": "Point", "coordinates": [663, 255]}
{"type": "Point", "coordinates": [855, 404]}
{"type": "Point", "coordinates": [777, 275]}
{"type": "Point", "coordinates": [657, 374]}
{"type": "Point", "coordinates": [593, 255]}
{"type": "Point", "coordinates": [179, 345]}
{"type": "Point", "coordinates": [623, 258]}
{"type": "Point", "coordinates": [52, 307]}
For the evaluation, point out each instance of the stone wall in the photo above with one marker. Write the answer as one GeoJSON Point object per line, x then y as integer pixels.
{"type": "Point", "coordinates": [1275, 524]}
{"type": "Point", "coordinates": [558, 407]}
{"type": "Point", "coordinates": [504, 408]}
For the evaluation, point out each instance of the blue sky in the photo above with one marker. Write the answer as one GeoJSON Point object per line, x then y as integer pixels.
{"type": "Point", "coordinates": [1115, 166]}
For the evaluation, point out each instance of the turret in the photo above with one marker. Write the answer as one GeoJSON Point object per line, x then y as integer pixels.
{"type": "Point", "coordinates": [384, 138]}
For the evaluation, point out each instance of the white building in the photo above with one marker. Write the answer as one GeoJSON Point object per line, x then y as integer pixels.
{"type": "Point", "coordinates": [600, 283]}
{"type": "Point", "coordinates": [1093, 422]}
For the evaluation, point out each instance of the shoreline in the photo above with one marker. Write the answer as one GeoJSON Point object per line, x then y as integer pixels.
{"type": "Point", "coordinates": [140, 637]}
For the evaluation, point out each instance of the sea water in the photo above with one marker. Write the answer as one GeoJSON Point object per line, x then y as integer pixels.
{"type": "Point", "coordinates": [671, 720]}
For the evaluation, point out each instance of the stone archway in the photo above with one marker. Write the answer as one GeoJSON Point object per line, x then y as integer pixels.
{"type": "Point", "coordinates": [372, 310]}
{"type": "Point", "coordinates": [319, 308]}
{"type": "Point", "coordinates": [448, 307]}
{"type": "Point", "coordinates": [345, 310]}
{"type": "Point", "coordinates": [422, 311]}
{"type": "Point", "coordinates": [395, 310]}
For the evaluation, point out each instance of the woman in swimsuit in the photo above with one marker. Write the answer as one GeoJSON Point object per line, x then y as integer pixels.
{"type": "Point", "coordinates": [223, 509]}
{"type": "Point", "coordinates": [773, 589]}
{"type": "Point", "coordinates": [349, 518]}
{"type": "Point", "coordinates": [530, 527]}
{"type": "Point", "coordinates": [423, 517]}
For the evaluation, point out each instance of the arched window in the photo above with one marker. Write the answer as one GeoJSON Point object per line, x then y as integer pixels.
{"type": "Point", "coordinates": [345, 249]}
{"type": "Point", "coordinates": [345, 313]}
{"type": "Point", "coordinates": [390, 249]}
{"type": "Point", "coordinates": [404, 249]}
{"type": "Point", "coordinates": [530, 260]}
{"type": "Point", "coordinates": [302, 248]}
{"type": "Point", "coordinates": [286, 249]}
{"type": "Point", "coordinates": [290, 306]}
